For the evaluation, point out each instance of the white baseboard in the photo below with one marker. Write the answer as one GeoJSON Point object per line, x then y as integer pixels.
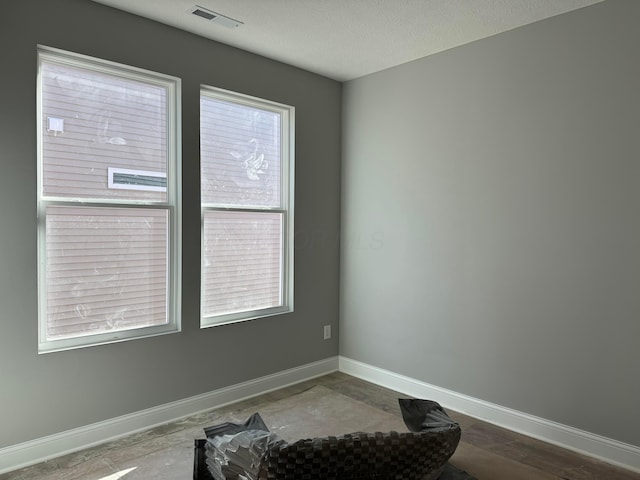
{"type": "Point", "coordinates": [41, 449]}
{"type": "Point", "coordinates": [606, 449]}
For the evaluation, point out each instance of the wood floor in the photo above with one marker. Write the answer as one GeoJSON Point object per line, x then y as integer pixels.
{"type": "Point", "coordinates": [485, 451]}
{"type": "Point", "coordinates": [493, 453]}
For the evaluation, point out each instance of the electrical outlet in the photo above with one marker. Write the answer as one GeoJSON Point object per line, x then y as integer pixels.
{"type": "Point", "coordinates": [327, 332]}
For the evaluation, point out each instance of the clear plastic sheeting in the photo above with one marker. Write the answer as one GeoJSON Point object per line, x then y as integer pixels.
{"type": "Point", "coordinates": [234, 451]}
{"type": "Point", "coordinates": [241, 154]}
{"type": "Point", "coordinates": [425, 415]}
{"type": "Point", "coordinates": [242, 261]}
{"type": "Point", "coordinates": [237, 457]}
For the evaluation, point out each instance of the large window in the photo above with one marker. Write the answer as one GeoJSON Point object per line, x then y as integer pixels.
{"type": "Point", "coordinates": [108, 201]}
{"type": "Point", "coordinates": [246, 173]}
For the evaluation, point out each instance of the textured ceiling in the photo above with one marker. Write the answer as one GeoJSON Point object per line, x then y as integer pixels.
{"type": "Point", "coordinates": [346, 39]}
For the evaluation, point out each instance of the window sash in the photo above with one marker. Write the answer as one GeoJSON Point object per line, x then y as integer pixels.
{"type": "Point", "coordinates": [242, 262]}
{"type": "Point", "coordinates": [109, 117]}
{"type": "Point", "coordinates": [107, 269]}
{"type": "Point", "coordinates": [162, 309]}
{"type": "Point", "coordinates": [245, 141]}
{"type": "Point", "coordinates": [236, 283]}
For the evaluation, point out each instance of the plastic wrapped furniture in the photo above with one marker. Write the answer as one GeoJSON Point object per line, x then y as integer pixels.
{"type": "Point", "coordinates": [250, 452]}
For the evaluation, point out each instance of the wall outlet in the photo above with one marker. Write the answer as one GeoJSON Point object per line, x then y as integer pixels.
{"type": "Point", "coordinates": [327, 332]}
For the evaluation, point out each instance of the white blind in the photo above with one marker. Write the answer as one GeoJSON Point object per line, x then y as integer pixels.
{"type": "Point", "coordinates": [106, 269]}
{"type": "Point", "coordinates": [242, 261]}
{"type": "Point", "coordinates": [99, 121]}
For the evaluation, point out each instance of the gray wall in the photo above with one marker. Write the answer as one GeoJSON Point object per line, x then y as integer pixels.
{"type": "Point", "coordinates": [45, 394]}
{"type": "Point", "coordinates": [490, 219]}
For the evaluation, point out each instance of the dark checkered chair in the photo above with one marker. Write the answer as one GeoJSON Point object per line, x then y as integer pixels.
{"type": "Point", "coordinates": [419, 454]}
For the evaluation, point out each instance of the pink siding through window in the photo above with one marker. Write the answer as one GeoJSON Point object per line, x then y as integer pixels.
{"type": "Point", "coordinates": [108, 122]}
{"type": "Point", "coordinates": [106, 269]}
{"type": "Point", "coordinates": [242, 258]}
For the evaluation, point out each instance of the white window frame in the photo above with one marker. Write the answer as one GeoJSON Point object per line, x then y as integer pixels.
{"type": "Point", "coordinates": [172, 204]}
{"type": "Point", "coordinates": [287, 183]}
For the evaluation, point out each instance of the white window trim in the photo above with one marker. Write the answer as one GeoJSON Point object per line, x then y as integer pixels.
{"type": "Point", "coordinates": [287, 146]}
{"type": "Point", "coordinates": [172, 205]}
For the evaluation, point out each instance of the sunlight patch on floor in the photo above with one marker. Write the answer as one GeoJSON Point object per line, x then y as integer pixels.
{"type": "Point", "coordinates": [119, 474]}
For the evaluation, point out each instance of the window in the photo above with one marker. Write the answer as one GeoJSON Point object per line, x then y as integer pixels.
{"type": "Point", "coordinates": [246, 174]}
{"type": "Point", "coordinates": [108, 201]}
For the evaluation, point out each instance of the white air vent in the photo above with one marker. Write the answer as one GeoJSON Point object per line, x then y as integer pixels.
{"type": "Point", "coordinates": [214, 17]}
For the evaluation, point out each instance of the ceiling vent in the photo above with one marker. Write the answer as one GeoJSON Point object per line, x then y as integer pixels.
{"type": "Point", "coordinates": [214, 17]}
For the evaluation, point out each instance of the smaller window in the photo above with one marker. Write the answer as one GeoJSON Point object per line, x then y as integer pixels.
{"type": "Point", "coordinates": [246, 176]}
